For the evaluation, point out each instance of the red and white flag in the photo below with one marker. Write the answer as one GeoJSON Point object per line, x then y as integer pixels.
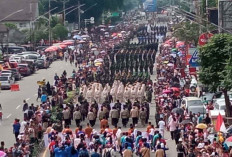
{"type": "Point", "coordinates": [220, 125]}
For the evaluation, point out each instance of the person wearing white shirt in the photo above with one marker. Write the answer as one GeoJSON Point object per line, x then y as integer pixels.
{"type": "Point", "coordinates": [161, 127]}
{"type": "Point", "coordinates": [151, 132]}
{"type": "Point", "coordinates": [23, 125]}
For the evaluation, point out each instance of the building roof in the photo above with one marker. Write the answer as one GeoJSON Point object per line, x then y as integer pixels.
{"type": "Point", "coordinates": [30, 10]}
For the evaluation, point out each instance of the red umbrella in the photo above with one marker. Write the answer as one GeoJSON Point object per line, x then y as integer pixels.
{"type": "Point", "coordinates": [179, 44]}
{"type": "Point", "coordinates": [229, 139]}
{"type": "Point", "coordinates": [167, 91]}
{"type": "Point", "coordinates": [175, 89]}
{"type": "Point", "coordinates": [114, 34]}
{"type": "Point", "coordinates": [82, 41]}
{"type": "Point", "coordinates": [63, 46]}
{"type": "Point", "coordinates": [51, 48]}
{"type": "Point", "coordinates": [68, 43]}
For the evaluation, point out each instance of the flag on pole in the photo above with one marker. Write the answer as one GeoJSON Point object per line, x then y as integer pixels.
{"type": "Point", "coordinates": [220, 125]}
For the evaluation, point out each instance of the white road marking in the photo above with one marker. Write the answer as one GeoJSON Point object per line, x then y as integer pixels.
{"type": "Point", "coordinates": [28, 99]}
{"type": "Point", "coordinates": [18, 106]}
{"type": "Point", "coordinates": [8, 115]}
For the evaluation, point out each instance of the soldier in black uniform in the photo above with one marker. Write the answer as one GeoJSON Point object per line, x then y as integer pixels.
{"type": "Point", "coordinates": [153, 56]}
{"type": "Point", "coordinates": [141, 67]}
{"type": "Point", "coordinates": [136, 56]}
{"type": "Point", "coordinates": [146, 66]}
{"type": "Point", "coordinates": [151, 65]}
{"type": "Point", "coordinates": [122, 67]}
{"type": "Point", "coordinates": [127, 60]}
{"type": "Point", "coordinates": [131, 61]}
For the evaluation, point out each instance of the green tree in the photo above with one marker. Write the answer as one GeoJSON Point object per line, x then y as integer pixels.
{"type": "Point", "coordinates": [188, 32]}
{"type": "Point", "coordinates": [59, 32]}
{"type": "Point", "coordinates": [96, 11]}
{"type": "Point", "coordinates": [10, 25]}
{"type": "Point", "coordinates": [216, 70]}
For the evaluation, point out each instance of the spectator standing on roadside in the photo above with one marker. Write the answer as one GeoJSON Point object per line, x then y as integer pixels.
{"type": "Point", "coordinates": [1, 114]}
{"type": "Point", "coordinates": [39, 93]}
{"type": "Point", "coordinates": [161, 127]}
{"type": "Point", "coordinates": [16, 128]}
{"type": "Point", "coordinates": [25, 105]}
{"type": "Point", "coordinates": [44, 98]}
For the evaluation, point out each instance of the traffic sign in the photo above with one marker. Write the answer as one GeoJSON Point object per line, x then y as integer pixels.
{"type": "Point", "coordinates": [203, 38]}
{"type": "Point", "coordinates": [193, 61]}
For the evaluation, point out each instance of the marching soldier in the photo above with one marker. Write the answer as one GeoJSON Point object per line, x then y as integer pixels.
{"type": "Point", "coordinates": [125, 116]}
{"type": "Point", "coordinates": [127, 60]}
{"type": "Point", "coordinates": [151, 65]}
{"type": "Point", "coordinates": [153, 56]}
{"type": "Point", "coordinates": [131, 61]}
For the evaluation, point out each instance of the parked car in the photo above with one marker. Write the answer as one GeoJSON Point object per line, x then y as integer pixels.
{"type": "Point", "coordinates": [41, 63]}
{"type": "Point", "coordinates": [191, 101]}
{"type": "Point", "coordinates": [220, 105]}
{"type": "Point", "coordinates": [6, 82]}
{"type": "Point", "coordinates": [208, 97]}
{"type": "Point", "coordinates": [14, 49]}
{"type": "Point", "coordinates": [31, 64]}
{"type": "Point", "coordinates": [24, 69]}
{"type": "Point", "coordinates": [197, 109]}
{"type": "Point", "coordinates": [31, 53]}
{"type": "Point", "coordinates": [8, 73]}
{"type": "Point", "coordinates": [16, 73]}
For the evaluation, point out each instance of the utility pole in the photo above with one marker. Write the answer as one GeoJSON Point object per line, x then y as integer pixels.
{"type": "Point", "coordinates": [79, 15]}
{"type": "Point", "coordinates": [49, 22]}
{"type": "Point", "coordinates": [198, 10]}
{"type": "Point", "coordinates": [64, 10]}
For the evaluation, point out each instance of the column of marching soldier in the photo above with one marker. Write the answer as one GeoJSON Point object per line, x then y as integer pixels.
{"type": "Point", "coordinates": [150, 34]}
{"type": "Point", "coordinates": [127, 65]}
{"type": "Point", "coordinates": [133, 60]}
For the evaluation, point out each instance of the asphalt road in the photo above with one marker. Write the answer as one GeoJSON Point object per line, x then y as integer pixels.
{"type": "Point", "coordinates": [12, 102]}
{"type": "Point", "coordinates": [170, 144]}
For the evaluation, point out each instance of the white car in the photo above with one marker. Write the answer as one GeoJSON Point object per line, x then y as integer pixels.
{"type": "Point", "coordinates": [220, 105]}
{"type": "Point", "coordinates": [191, 101]}
{"type": "Point", "coordinates": [6, 82]}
